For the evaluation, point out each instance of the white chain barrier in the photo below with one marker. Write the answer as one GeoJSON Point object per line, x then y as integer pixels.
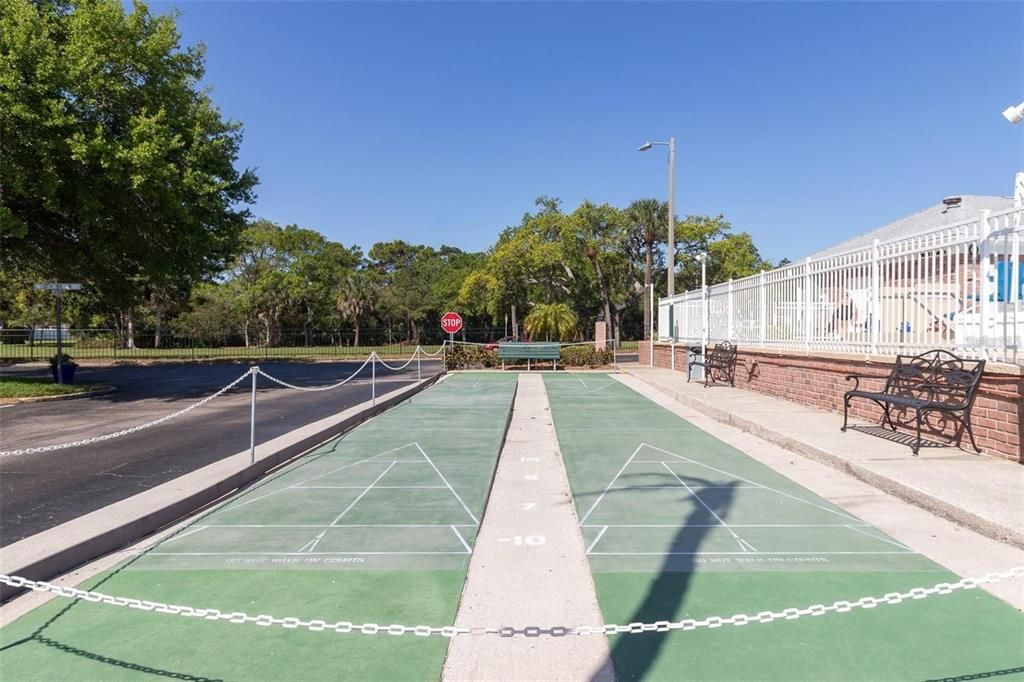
{"type": "Point", "coordinates": [325, 387]}
{"type": "Point", "coordinates": [400, 367]}
{"type": "Point", "coordinates": [125, 432]}
{"type": "Point", "coordinates": [345, 627]}
{"type": "Point", "coordinates": [435, 353]}
{"type": "Point", "coordinates": [252, 370]}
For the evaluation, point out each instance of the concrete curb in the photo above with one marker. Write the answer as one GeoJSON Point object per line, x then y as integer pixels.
{"type": "Point", "coordinates": [935, 505]}
{"type": "Point", "coordinates": [55, 551]}
{"type": "Point", "coordinates": [70, 396]}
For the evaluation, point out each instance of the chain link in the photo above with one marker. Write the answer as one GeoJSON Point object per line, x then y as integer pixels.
{"type": "Point", "coordinates": [325, 387]}
{"type": "Point", "coordinates": [346, 627]}
{"type": "Point", "coordinates": [132, 429]}
{"type": "Point", "coordinates": [186, 410]}
{"type": "Point", "coordinates": [436, 352]}
{"type": "Point", "coordinates": [400, 367]}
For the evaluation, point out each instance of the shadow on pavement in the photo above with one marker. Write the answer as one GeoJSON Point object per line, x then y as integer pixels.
{"type": "Point", "coordinates": [635, 654]}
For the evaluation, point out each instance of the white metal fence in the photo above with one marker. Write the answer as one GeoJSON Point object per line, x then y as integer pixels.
{"type": "Point", "coordinates": [958, 287]}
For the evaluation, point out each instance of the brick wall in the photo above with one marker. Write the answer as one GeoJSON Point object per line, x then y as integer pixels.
{"type": "Point", "coordinates": [819, 380]}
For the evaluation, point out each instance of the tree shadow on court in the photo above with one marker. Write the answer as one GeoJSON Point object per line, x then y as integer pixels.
{"type": "Point", "coordinates": [635, 654]}
{"type": "Point", "coordinates": [39, 637]}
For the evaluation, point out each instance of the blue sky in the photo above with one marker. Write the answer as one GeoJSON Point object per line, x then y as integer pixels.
{"type": "Point", "coordinates": [805, 124]}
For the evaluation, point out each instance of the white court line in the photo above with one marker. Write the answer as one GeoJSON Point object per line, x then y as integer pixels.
{"type": "Point", "coordinates": [886, 540]}
{"type": "Point", "coordinates": [318, 476]}
{"type": "Point", "coordinates": [360, 495]}
{"type": "Point", "coordinates": [715, 525]}
{"type": "Point", "coordinates": [181, 535]}
{"type": "Point", "coordinates": [597, 539]}
{"type": "Point", "coordinates": [747, 480]}
{"type": "Point", "coordinates": [343, 525]}
{"type": "Point", "coordinates": [742, 553]}
{"type": "Point", "coordinates": [461, 539]}
{"type": "Point", "coordinates": [311, 545]}
{"type": "Point", "coordinates": [610, 484]}
{"type": "Point", "coordinates": [467, 389]}
{"type": "Point", "coordinates": [305, 553]}
{"type": "Point", "coordinates": [379, 487]}
{"type": "Point", "coordinates": [580, 379]}
{"type": "Point", "coordinates": [471, 514]}
{"type": "Point", "coordinates": [634, 488]}
{"type": "Point", "coordinates": [602, 387]}
{"type": "Point", "coordinates": [742, 543]}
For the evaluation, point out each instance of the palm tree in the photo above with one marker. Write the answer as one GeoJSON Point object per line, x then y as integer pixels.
{"type": "Point", "coordinates": [551, 320]}
{"type": "Point", "coordinates": [357, 297]}
{"type": "Point", "coordinates": [648, 220]}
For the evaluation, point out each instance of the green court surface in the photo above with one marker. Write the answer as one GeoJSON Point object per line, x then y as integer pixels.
{"type": "Point", "coordinates": [678, 524]}
{"type": "Point", "coordinates": [375, 527]}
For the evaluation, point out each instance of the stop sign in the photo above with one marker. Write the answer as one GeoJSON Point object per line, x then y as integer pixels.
{"type": "Point", "coordinates": [451, 323]}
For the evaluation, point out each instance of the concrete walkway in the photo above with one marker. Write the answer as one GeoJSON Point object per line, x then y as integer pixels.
{"type": "Point", "coordinates": [520, 576]}
{"type": "Point", "coordinates": [979, 492]}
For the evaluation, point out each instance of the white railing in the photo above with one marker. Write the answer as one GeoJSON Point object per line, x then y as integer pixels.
{"type": "Point", "coordinates": [958, 287]}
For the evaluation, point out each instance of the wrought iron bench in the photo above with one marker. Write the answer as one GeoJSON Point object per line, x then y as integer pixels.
{"type": "Point", "coordinates": [721, 364]}
{"type": "Point", "coordinates": [936, 381]}
{"type": "Point", "coordinates": [516, 350]}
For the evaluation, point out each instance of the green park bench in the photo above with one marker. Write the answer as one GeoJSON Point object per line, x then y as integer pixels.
{"type": "Point", "coordinates": [517, 350]}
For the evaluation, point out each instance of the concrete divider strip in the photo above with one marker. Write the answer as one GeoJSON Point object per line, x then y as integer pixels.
{"type": "Point", "coordinates": [529, 564]}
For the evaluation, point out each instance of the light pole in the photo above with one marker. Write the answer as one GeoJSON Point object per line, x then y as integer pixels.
{"type": "Point", "coordinates": [1014, 114]}
{"type": "Point", "coordinates": [671, 144]}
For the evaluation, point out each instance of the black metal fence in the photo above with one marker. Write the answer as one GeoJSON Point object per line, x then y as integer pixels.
{"type": "Point", "coordinates": [110, 344]}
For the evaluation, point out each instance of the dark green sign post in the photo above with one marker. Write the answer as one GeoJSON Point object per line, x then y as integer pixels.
{"type": "Point", "coordinates": [58, 289]}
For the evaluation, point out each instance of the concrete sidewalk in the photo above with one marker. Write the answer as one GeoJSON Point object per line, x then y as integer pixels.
{"type": "Point", "coordinates": [981, 493]}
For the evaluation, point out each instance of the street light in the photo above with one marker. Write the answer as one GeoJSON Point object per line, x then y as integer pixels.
{"type": "Point", "coordinates": [1014, 114]}
{"type": "Point", "coordinates": [671, 144]}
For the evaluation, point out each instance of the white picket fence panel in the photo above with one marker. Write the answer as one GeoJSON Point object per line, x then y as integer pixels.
{"type": "Point", "coordinates": [959, 287]}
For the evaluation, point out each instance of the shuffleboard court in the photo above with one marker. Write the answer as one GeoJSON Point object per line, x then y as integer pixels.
{"type": "Point", "coordinates": [376, 527]}
{"type": "Point", "coordinates": [679, 525]}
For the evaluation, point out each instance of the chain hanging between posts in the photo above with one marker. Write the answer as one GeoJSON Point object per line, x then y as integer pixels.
{"type": "Point", "coordinates": [125, 432]}
{"type": "Point", "coordinates": [346, 627]}
{"type": "Point", "coordinates": [325, 387]}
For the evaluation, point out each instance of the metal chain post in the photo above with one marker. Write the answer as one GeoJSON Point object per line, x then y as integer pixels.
{"type": "Point", "coordinates": [373, 378]}
{"type": "Point", "coordinates": [255, 371]}
{"type": "Point", "coordinates": [419, 373]}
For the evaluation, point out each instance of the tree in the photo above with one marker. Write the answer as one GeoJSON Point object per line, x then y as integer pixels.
{"type": "Point", "coordinates": [357, 298]}
{"type": "Point", "coordinates": [598, 234]}
{"type": "Point", "coordinates": [730, 255]}
{"type": "Point", "coordinates": [551, 320]}
{"type": "Point", "coordinates": [648, 226]}
{"type": "Point", "coordinates": [118, 170]}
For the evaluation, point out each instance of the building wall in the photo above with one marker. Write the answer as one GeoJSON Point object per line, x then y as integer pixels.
{"type": "Point", "coordinates": [818, 379]}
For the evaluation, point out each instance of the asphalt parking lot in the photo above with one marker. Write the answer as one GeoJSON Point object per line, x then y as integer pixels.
{"type": "Point", "coordinates": [42, 490]}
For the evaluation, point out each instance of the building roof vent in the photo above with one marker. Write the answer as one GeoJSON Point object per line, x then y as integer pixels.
{"type": "Point", "coordinates": [951, 202]}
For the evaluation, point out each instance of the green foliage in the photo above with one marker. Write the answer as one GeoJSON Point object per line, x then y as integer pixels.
{"type": "Point", "coordinates": [731, 256]}
{"type": "Point", "coordinates": [357, 298]}
{"type": "Point", "coordinates": [64, 359]}
{"type": "Point", "coordinates": [118, 170]}
{"type": "Point", "coordinates": [585, 355]}
{"type": "Point", "coordinates": [551, 321]}
{"type": "Point", "coordinates": [462, 356]}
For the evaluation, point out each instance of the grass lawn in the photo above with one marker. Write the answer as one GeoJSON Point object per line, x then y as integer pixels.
{"type": "Point", "coordinates": [13, 388]}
